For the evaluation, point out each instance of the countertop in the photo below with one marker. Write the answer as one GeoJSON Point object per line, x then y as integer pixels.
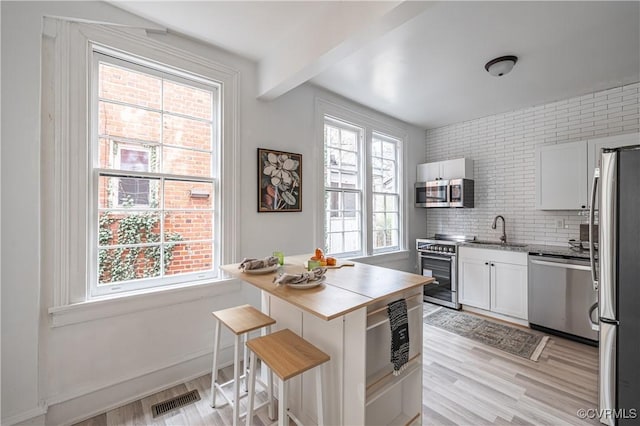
{"type": "Point", "coordinates": [535, 249]}
{"type": "Point", "coordinates": [342, 291]}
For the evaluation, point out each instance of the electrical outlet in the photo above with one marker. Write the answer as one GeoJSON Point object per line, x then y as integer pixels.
{"type": "Point", "coordinates": [560, 223]}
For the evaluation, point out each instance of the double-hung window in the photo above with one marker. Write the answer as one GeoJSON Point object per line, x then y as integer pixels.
{"type": "Point", "coordinates": [362, 189]}
{"type": "Point", "coordinates": [154, 150]}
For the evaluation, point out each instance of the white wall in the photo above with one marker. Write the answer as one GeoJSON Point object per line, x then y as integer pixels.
{"type": "Point", "coordinates": [503, 146]}
{"type": "Point", "coordinates": [74, 371]}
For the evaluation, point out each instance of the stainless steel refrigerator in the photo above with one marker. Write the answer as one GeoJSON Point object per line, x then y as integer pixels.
{"type": "Point", "coordinates": [616, 276]}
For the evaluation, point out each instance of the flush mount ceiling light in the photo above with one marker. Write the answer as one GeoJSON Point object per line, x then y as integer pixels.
{"type": "Point", "coordinates": [500, 66]}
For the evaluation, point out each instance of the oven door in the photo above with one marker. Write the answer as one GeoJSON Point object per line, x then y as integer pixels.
{"type": "Point", "coordinates": [432, 194]}
{"type": "Point", "coordinates": [444, 290]}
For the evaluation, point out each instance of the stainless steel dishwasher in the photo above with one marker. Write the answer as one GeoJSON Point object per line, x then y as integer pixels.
{"type": "Point", "coordinates": [561, 295]}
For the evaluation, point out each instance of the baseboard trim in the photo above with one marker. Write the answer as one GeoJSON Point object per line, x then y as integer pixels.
{"type": "Point", "coordinates": [25, 416]}
{"type": "Point", "coordinates": [73, 407]}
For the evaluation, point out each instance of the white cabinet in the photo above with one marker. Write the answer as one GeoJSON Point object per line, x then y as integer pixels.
{"type": "Point", "coordinates": [561, 176]}
{"type": "Point", "coordinates": [564, 172]}
{"type": "Point", "coordinates": [429, 171]}
{"type": "Point", "coordinates": [460, 168]}
{"type": "Point", "coordinates": [493, 280]}
{"type": "Point", "coordinates": [509, 289]}
{"type": "Point", "coordinates": [474, 282]}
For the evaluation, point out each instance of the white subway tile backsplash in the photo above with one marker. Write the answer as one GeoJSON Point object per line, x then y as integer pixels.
{"type": "Point", "coordinates": [503, 149]}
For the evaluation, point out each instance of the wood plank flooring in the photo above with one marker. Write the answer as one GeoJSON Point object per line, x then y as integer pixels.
{"type": "Point", "coordinates": [468, 383]}
{"type": "Point", "coordinates": [464, 383]}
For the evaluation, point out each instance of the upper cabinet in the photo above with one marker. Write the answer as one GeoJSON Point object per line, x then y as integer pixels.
{"type": "Point", "coordinates": [561, 176]}
{"type": "Point", "coordinates": [460, 168]}
{"type": "Point", "coordinates": [564, 172]}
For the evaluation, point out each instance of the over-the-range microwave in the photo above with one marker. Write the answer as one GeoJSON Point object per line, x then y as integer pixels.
{"type": "Point", "coordinates": [445, 193]}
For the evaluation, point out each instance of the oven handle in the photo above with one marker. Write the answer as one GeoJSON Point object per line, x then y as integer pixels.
{"type": "Point", "coordinates": [449, 258]}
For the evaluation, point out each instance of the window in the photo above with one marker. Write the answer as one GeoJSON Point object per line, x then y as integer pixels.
{"type": "Point", "coordinates": [386, 194]}
{"type": "Point", "coordinates": [154, 145]}
{"type": "Point", "coordinates": [362, 189]}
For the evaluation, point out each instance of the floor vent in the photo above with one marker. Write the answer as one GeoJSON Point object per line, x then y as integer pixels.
{"type": "Point", "coordinates": [175, 403]}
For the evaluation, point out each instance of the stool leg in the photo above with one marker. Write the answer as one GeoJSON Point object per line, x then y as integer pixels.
{"type": "Point", "coordinates": [245, 362]}
{"type": "Point", "coordinates": [319, 395]}
{"type": "Point", "coordinates": [283, 417]}
{"type": "Point", "coordinates": [269, 393]}
{"type": "Point", "coordinates": [270, 386]}
{"type": "Point", "coordinates": [214, 368]}
{"type": "Point", "coordinates": [236, 380]}
{"type": "Point", "coordinates": [252, 389]}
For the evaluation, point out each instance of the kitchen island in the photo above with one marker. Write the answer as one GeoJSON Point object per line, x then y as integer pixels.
{"type": "Point", "coordinates": [346, 317]}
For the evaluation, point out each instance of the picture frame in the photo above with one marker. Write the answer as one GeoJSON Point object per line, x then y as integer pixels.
{"type": "Point", "coordinates": [279, 181]}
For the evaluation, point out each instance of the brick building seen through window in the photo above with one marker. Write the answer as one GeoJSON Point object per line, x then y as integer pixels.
{"type": "Point", "coordinates": [155, 149]}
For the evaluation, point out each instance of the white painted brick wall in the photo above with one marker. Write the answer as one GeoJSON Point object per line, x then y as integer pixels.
{"type": "Point", "coordinates": [503, 147]}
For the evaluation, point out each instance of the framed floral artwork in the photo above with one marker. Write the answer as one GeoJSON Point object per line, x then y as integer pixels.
{"type": "Point", "coordinates": [279, 181]}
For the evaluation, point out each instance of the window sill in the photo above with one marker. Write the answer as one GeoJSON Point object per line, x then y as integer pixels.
{"type": "Point", "coordinates": [140, 301]}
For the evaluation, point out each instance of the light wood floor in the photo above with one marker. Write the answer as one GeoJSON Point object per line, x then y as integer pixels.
{"type": "Point", "coordinates": [464, 383]}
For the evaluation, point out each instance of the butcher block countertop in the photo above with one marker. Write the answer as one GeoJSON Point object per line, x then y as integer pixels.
{"type": "Point", "coordinates": [343, 290]}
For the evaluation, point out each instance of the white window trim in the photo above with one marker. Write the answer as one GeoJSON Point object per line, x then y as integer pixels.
{"type": "Point", "coordinates": [70, 59]}
{"type": "Point", "coordinates": [358, 116]}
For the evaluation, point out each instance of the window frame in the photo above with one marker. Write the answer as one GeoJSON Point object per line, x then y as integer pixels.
{"type": "Point", "coordinates": [359, 190]}
{"type": "Point", "coordinates": [66, 90]}
{"type": "Point", "coordinates": [372, 124]}
{"type": "Point", "coordinates": [104, 55]}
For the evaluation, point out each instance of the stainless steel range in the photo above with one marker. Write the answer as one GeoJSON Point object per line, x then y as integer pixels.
{"type": "Point", "coordinates": [438, 258]}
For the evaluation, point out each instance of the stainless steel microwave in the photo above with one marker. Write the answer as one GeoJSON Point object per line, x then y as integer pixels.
{"type": "Point", "coordinates": [445, 193]}
{"type": "Point", "coordinates": [432, 194]}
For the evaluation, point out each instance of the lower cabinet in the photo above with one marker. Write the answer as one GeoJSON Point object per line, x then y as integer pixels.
{"type": "Point", "coordinates": [493, 280]}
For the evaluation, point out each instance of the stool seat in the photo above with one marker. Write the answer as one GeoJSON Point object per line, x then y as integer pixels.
{"type": "Point", "coordinates": [240, 320]}
{"type": "Point", "coordinates": [243, 319]}
{"type": "Point", "coordinates": [287, 354]}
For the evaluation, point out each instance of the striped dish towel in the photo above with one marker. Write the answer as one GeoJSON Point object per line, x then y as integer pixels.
{"type": "Point", "coordinates": [399, 335]}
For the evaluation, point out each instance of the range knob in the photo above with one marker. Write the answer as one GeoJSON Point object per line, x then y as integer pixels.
{"type": "Point", "coordinates": [450, 249]}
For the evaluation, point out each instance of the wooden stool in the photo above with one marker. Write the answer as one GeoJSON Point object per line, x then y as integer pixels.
{"type": "Point", "coordinates": [288, 355]}
{"type": "Point", "coordinates": [240, 320]}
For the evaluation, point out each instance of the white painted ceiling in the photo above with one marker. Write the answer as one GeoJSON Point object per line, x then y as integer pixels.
{"type": "Point", "coordinates": [422, 62]}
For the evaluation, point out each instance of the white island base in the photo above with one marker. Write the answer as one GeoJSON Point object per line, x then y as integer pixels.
{"type": "Point", "coordinates": [359, 387]}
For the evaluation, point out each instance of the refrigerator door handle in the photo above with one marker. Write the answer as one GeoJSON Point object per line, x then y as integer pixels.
{"type": "Point", "coordinates": [608, 373]}
{"type": "Point", "coordinates": [594, 325]}
{"type": "Point", "coordinates": [592, 218]}
{"type": "Point", "coordinates": [607, 251]}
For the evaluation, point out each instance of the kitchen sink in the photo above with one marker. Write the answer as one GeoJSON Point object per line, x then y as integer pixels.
{"type": "Point", "coordinates": [497, 243]}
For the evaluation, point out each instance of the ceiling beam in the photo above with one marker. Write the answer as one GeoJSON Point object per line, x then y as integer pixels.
{"type": "Point", "coordinates": [329, 38]}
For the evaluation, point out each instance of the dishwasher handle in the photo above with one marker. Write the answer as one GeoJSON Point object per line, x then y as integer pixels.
{"type": "Point", "coordinates": [561, 265]}
{"type": "Point", "coordinates": [594, 325]}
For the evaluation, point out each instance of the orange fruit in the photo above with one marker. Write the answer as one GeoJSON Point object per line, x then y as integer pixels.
{"type": "Point", "coordinates": [331, 261]}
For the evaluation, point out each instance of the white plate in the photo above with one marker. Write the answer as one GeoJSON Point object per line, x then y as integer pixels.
{"type": "Point", "coordinates": [266, 270]}
{"type": "Point", "coordinates": [310, 284]}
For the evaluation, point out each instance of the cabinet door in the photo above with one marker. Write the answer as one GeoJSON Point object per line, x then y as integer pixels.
{"type": "Point", "coordinates": [474, 285]}
{"type": "Point", "coordinates": [460, 168]}
{"type": "Point", "coordinates": [509, 289]}
{"type": "Point", "coordinates": [561, 176]}
{"type": "Point", "coordinates": [427, 172]}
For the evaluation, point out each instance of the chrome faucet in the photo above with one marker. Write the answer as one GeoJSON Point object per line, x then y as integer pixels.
{"type": "Point", "coordinates": [503, 237]}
